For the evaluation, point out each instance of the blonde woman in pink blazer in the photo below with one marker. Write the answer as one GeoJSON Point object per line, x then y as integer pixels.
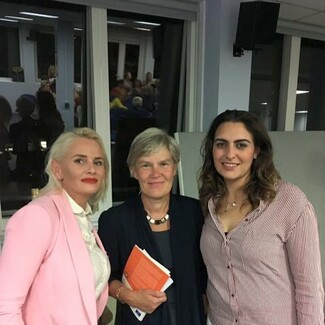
{"type": "Point", "coordinates": [53, 267]}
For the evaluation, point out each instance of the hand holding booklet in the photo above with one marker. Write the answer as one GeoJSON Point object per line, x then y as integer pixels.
{"type": "Point", "coordinates": [143, 272]}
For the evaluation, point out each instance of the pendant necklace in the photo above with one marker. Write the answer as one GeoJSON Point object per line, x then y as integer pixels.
{"type": "Point", "coordinates": [159, 221]}
{"type": "Point", "coordinates": [230, 205]}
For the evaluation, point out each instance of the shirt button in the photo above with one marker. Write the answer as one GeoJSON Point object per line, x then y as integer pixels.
{"type": "Point", "coordinates": [232, 295]}
{"type": "Point", "coordinates": [228, 266]}
{"type": "Point", "coordinates": [236, 320]}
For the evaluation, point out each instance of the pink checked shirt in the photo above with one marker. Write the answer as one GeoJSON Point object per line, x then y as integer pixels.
{"type": "Point", "coordinates": [267, 270]}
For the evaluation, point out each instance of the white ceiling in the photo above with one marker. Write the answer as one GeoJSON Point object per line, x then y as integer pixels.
{"type": "Point", "coordinates": [311, 12]}
{"type": "Point", "coordinates": [306, 15]}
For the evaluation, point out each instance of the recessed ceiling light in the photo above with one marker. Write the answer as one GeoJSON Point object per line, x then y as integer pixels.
{"type": "Point", "coordinates": [301, 112]}
{"type": "Point", "coordinates": [111, 22]}
{"type": "Point", "coordinates": [147, 23]}
{"type": "Point", "coordinates": [299, 92]}
{"type": "Point", "coordinates": [143, 29]}
{"type": "Point", "coordinates": [38, 15]}
{"type": "Point", "coordinates": [9, 20]}
{"type": "Point", "coordinates": [19, 18]}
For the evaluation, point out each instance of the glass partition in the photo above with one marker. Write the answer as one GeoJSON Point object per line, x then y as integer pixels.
{"type": "Point", "coordinates": [265, 81]}
{"type": "Point", "coordinates": [34, 40]}
{"type": "Point", "coordinates": [144, 85]}
{"type": "Point", "coordinates": [310, 104]}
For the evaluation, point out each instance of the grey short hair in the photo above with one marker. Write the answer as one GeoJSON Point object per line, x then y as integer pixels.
{"type": "Point", "coordinates": [137, 101]}
{"type": "Point", "coordinates": [149, 141]}
{"type": "Point", "coordinates": [60, 148]}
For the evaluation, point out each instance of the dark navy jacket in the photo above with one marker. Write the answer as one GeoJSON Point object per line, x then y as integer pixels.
{"type": "Point", "coordinates": [123, 226]}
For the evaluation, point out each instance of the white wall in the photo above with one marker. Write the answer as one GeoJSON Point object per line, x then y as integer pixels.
{"type": "Point", "coordinates": [226, 78]}
{"type": "Point", "coordinates": [12, 90]}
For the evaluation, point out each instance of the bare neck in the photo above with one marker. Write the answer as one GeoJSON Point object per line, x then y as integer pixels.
{"type": "Point", "coordinates": [156, 207]}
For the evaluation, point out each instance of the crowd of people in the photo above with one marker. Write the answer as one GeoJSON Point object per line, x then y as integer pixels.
{"type": "Point", "coordinates": [246, 252]}
{"type": "Point", "coordinates": [133, 99]}
{"type": "Point", "coordinates": [28, 140]}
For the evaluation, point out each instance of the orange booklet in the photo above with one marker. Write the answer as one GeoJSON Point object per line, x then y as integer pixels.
{"type": "Point", "coordinates": [143, 272]}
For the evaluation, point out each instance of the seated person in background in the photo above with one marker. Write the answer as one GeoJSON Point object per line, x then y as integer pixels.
{"type": "Point", "coordinates": [137, 88]}
{"type": "Point", "coordinates": [25, 138]}
{"type": "Point", "coordinates": [115, 90]}
{"type": "Point", "coordinates": [149, 81]}
{"type": "Point", "coordinates": [120, 98]}
{"type": "Point", "coordinates": [115, 115]}
{"type": "Point", "coordinates": [137, 109]}
{"type": "Point", "coordinates": [150, 97]}
{"type": "Point", "coordinates": [118, 109]}
{"type": "Point", "coordinates": [128, 83]}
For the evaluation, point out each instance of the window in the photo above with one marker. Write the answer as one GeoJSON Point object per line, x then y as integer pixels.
{"type": "Point", "coordinates": [310, 113]}
{"type": "Point", "coordinates": [45, 43]}
{"type": "Point", "coordinates": [131, 49]}
{"type": "Point", "coordinates": [33, 46]}
{"type": "Point", "coordinates": [265, 81]}
{"type": "Point", "coordinates": [9, 52]}
{"type": "Point", "coordinates": [113, 51]}
{"type": "Point", "coordinates": [132, 59]}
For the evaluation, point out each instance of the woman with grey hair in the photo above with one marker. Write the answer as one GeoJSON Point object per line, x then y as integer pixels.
{"type": "Point", "coordinates": [167, 226]}
{"type": "Point", "coordinates": [53, 267]}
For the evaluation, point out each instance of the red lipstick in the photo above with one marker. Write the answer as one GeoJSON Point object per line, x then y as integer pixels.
{"type": "Point", "coordinates": [89, 180]}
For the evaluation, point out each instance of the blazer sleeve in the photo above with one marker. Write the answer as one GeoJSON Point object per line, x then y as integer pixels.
{"type": "Point", "coordinates": [27, 238]}
{"type": "Point", "coordinates": [108, 234]}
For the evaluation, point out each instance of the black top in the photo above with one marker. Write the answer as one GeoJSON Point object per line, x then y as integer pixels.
{"type": "Point", "coordinates": [162, 239]}
{"type": "Point", "coordinates": [123, 226]}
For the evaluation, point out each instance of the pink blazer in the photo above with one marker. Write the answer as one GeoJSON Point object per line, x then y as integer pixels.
{"type": "Point", "coordinates": [46, 277]}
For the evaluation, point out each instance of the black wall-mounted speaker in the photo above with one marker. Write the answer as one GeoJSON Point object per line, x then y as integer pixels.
{"type": "Point", "coordinates": [257, 23]}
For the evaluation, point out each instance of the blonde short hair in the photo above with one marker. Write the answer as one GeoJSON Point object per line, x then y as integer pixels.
{"type": "Point", "coordinates": [60, 148]}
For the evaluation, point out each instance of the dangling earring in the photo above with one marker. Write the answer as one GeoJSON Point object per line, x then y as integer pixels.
{"type": "Point", "coordinates": [255, 156]}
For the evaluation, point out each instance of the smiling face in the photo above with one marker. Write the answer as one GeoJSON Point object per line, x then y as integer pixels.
{"type": "Point", "coordinates": [233, 152]}
{"type": "Point", "coordinates": [155, 174]}
{"type": "Point", "coordinates": [81, 171]}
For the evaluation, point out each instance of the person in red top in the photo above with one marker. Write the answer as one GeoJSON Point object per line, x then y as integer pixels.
{"type": "Point", "coordinates": [260, 240]}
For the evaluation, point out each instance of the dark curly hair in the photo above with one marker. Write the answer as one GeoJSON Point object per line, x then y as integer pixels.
{"type": "Point", "coordinates": [264, 176]}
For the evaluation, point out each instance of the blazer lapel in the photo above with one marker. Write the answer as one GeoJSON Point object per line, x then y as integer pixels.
{"type": "Point", "coordinates": [98, 241]}
{"type": "Point", "coordinates": [79, 255]}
